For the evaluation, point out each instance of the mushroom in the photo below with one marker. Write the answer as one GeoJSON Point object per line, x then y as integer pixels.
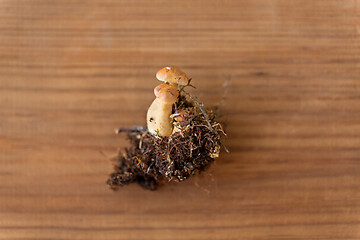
{"type": "Point", "coordinates": [181, 120]}
{"type": "Point", "coordinates": [173, 76]}
{"type": "Point", "coordinates": [181, 116]}
{"type": "Point", "coordinates": [158, 115]}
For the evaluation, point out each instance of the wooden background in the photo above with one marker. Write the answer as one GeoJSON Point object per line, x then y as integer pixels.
{"type": "Point", "coordinates": [72, 71]}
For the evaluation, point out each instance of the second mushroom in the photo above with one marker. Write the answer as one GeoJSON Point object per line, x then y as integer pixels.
{"type": "Point", "coordinates": [158, 115]}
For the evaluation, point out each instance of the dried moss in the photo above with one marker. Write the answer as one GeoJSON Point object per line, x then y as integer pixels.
{"type": "Point", "coordinates": [151, 160]}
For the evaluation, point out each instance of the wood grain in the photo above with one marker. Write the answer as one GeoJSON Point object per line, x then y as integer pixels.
{"type": "Point", "coordinates": [72, 71]}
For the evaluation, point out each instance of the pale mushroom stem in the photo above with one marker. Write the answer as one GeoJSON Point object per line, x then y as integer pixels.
{"type": "Point", "coordinates": [158, 118]}
{"type": "Point", "coordinates": [158, 115]}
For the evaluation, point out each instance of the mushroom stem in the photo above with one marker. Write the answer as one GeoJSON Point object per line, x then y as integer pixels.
{"type": "Point", "coordinates": [158, 115]}
{"type": "Point", "coordinates": [158, 118]}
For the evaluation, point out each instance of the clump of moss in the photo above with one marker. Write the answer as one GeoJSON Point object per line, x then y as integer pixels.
{"type": "Point", "coordinates": [151, 160]}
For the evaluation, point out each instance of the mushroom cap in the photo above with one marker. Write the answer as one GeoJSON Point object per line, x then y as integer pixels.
{"type": "Point", "coordinates": [167, 93]}
{"type": "Point", "coordinates": [182, 116]}
{"type": "Point", "coordinates": [172, 75]}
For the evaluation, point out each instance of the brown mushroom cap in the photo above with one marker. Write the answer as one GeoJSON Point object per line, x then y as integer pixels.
{"type": "Point", "coordinates": [182, 116]}
{"type": "Point", "coordinates": [172, 75]}
{"type": "Point", "coordinates": [167, 93]}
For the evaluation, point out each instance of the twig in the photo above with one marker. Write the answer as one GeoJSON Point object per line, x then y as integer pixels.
{"type": "Point", "coordinates": [225, 148]}
{"type": "Point", "coordinates": [131, 129]}
{"type": "Point", "coordinates": [141, 139]}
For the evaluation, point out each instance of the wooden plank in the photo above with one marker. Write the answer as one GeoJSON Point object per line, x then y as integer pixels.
{"type": "Point", "coordinates": [71, 72]}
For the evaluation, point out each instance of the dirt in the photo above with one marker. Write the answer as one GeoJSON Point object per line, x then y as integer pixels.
{"type": "Point", "coordinates": [152, 161]}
